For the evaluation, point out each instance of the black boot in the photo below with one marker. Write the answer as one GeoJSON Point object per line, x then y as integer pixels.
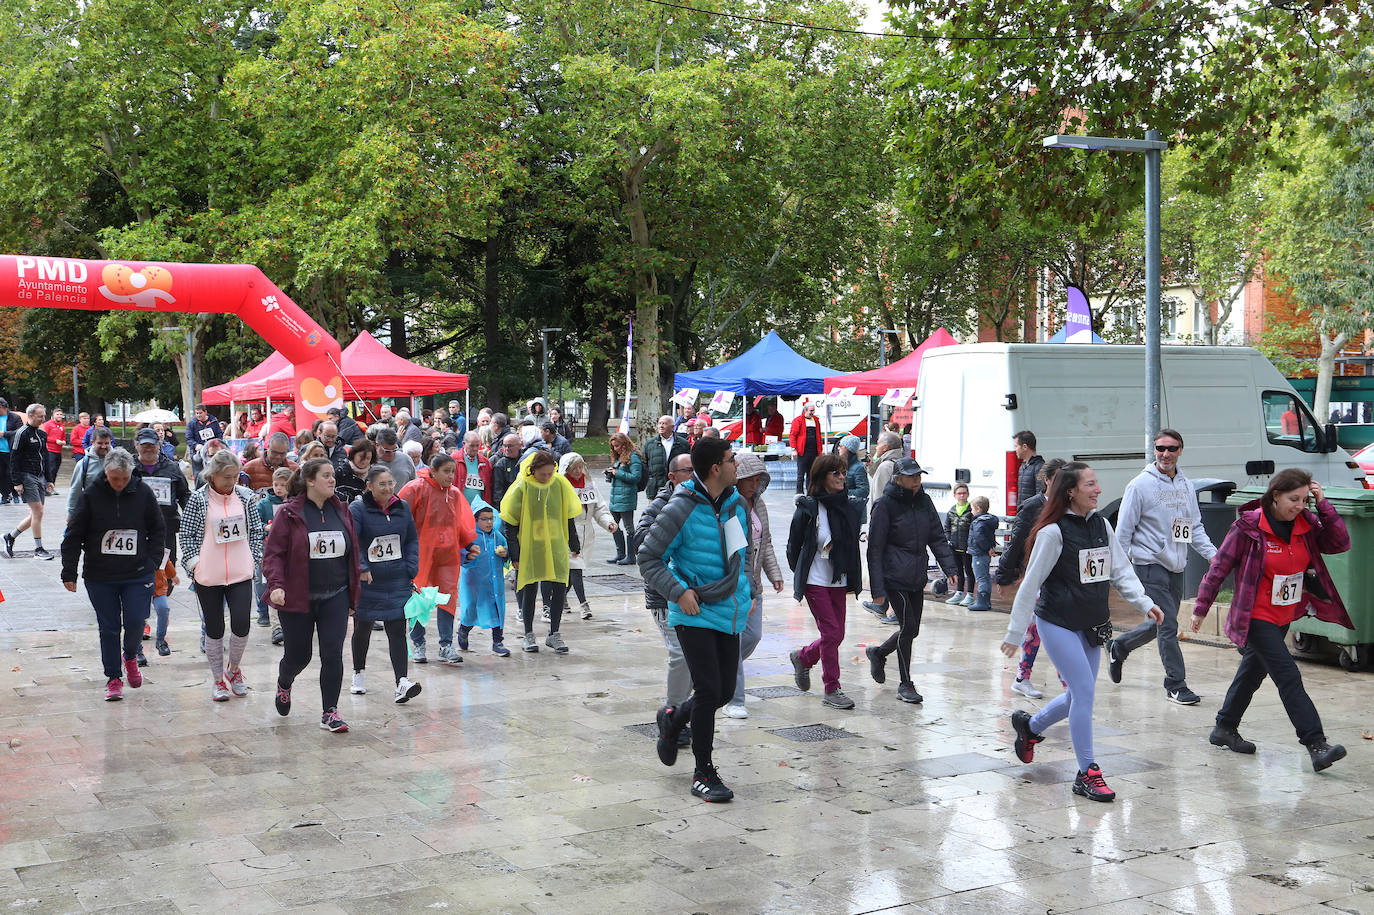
{"type": "Point", "coordinates": [1223, 736]}
{"type": "Point", "coordinates": [1324, 754]}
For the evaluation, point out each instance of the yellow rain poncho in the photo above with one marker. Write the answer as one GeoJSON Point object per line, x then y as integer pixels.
{"type": "Point", "coordinates": [542, 512]}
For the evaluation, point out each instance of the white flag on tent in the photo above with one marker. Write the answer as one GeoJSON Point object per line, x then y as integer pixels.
{"type": "Point", "coordinates": [721, 402]}
{"type": "Point", "coordinates": [687, 397]}
{"type": "Point", "coordinates": [897, 397]}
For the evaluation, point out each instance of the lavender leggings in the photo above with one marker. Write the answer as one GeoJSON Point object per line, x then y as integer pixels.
{"type": "Point", "coordinates": [1077, 662]}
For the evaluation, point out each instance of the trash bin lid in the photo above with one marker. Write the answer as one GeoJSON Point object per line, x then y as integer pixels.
{"type": "Point", "coordinates": [1348, 501]}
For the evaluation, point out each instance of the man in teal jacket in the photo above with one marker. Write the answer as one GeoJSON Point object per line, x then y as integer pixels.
{"type": "Point", "coordinates": [697, 556]}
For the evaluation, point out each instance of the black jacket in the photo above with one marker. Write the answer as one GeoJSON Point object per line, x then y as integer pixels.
{"type": "Point", "coordinates": [349, 431]}
{"type": "Point", "coordinates": [170, 471]}
{"type": "Point", "coordinates": [957, 527]}
{"type": "Point", "coordinates": [1027, 483]}
{"type": "Point", "coordinates": [1013, 561]}
{"type": "Point", "coordinates": [504, 470]}
{"type": "Point", "coordinates": [652, 599]}
{"type": "Point", "coordinates": [801, 546]}
{"type": "Point", "coordinates": [100, 510]}
{"type": "Point", "coordinates": [27, 453]}
{"type": "Point", "coordinates": [902, 527]}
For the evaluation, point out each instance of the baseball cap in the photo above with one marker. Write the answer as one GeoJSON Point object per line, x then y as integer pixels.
{"type": "Point", "coordinates": [907, 467]}
{"type": "Point", "coordinates": [146, 437]}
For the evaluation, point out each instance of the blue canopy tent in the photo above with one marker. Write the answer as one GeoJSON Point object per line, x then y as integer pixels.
{"type": "Point", "coordinates": [769, 368]}
{"type": "Point", "coordinates": [1061, 333]}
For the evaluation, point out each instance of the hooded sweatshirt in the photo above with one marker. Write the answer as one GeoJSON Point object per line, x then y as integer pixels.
{"type": "Point", "coordinates": [764, 560]}
{"type": "Point", "coordinates": [595, 511]}
{"type": "Point", "coordinates": [1159, 517]}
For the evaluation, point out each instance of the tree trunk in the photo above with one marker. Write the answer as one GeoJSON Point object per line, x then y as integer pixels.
{"type": "Point", "coordinates": [491, 319]}
{"type": "Point", "coordinates": [399, 344]}
{"type": "Point", "coordinates": [650, 401]}
{"type": "Point", "coordinates": [1326, 367]}
{"type": "Point", "coordinates": [598, 395]}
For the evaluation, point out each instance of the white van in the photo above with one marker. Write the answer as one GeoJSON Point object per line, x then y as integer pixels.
{"type": "Point", "coordinates": [1240, 420]}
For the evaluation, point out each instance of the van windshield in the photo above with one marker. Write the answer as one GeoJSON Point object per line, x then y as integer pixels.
{"type": "Point", "coordinates": [1287, 421]}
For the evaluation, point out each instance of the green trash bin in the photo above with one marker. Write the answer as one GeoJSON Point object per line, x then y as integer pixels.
{"type": "Point", "coordinates": [1351, 571]}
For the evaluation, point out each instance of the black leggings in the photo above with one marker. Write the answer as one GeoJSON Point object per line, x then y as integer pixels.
{"type": "Point", "coordinates": [624, 529]}
{"type": "Point", "coordinates": [329, 619]}
{"type": "Point", "coordinates": [963, 562]}
{"type": "Point", "coordinates": [554, 595]}
{"type": "Point", "coordinates": [395, 641]}
{"type": "Point", "coordinates": [574, 582]}
{"type": "Point", "coordinates": [804, 462]}
{"type": "Point", "coordinates": [713, 659]}
{"type": "Point", "coordinates": [239, 597]}
{"type": "Point", "coordinates": [907, 605]}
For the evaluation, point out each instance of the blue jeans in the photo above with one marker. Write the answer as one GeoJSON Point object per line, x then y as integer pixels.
{"type": "Point", "coordinates": [120, 605]}
{"type": "Point", "coordinates": [445, 623]}
{"type": "Point", "coordinates": [981, 575]}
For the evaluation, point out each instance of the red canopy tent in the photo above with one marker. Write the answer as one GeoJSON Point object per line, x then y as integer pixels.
{"type": "Point", "coordinates": [900, 374]}
{"type": "Point", "coordinates": [250, 385]}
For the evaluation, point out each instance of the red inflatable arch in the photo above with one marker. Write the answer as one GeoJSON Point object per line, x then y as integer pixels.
{"type": "Point", "coordinates": [54, 282]}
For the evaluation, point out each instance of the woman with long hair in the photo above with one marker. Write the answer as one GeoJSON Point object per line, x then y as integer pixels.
{"type": "Point", "coordinates": [624, 474]}
{"type": "Point", "coordinates": [539, 512]}
{"type": "Point", "coordinates": [823, 552]}
{"type": "Point", "coordinates": [313, 579]}
{"type": "Point", "coordinates": [1075, 559]}
{"type": "Point", "coordinates": [1275, 548]}
{"type": "Point", "coordinates": [221, 546]}
{"type": "Point", "coordinates": [351, 478]}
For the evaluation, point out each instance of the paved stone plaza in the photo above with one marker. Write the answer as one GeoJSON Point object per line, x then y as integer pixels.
{"type": "Point", "coordinates": [529, 784]}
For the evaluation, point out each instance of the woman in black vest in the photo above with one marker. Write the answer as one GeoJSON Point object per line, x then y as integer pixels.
{"type": "Point", "coordinates": [1074, 559]}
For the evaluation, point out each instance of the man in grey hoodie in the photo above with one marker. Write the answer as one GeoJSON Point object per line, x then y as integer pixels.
{"type": "Point", "coordinates": [1158, 521]}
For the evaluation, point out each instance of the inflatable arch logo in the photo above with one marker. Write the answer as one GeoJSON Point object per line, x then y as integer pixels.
{"type": "Point", "coordinates": [47, 282]}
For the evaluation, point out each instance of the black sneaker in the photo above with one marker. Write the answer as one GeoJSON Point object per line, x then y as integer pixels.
{"type": "Point", "coordinates": [1026, 739]}
{"type": "Point", "coordinates": [9, 545]}
{"type": "Point", "coordinates": [1230, 738]}
{"type": "Point", "coordinates": [684, 736]}
{"type": "Point", "coordinates": [277, 636]}
{"type": "Point", "coordinates": [163, 648]}
{"type": "Point", "coordinates": [1091, 785]}
{"type": "Point", "coordinates": [330, 721]}
{"type": "Point", "coordinates": [877, 664]}
{"type": "Point", "coordinates": [142, 658]}
{"type": "Point", "coordinates": [907, 693]}
{"type": "Point", "coordinates": [1324, 754]}
{"type": "Point", "coordinates": [800, 672]}
{"type": "Point", "coordinates": [1115, 665]}
{"type": "Point", "coordinates": [667, 744]}
{"type": "Point", "coordinates": [708, 786]}
{"type": "Point", "coordinates": [1183, 696]}
{"type": "Point", "coordinates": [41, 553]}
{"type": "Point", "coordinates": [283, 700]}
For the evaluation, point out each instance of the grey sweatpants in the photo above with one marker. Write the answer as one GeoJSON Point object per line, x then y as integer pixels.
{"type": "Point", "coordinates": [679, 677]}
{"type": "Point", "coordinates": [1165, 588]}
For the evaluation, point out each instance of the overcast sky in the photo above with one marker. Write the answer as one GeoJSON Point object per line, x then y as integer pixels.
{"type": "Point", "coordinates": [876, 10]}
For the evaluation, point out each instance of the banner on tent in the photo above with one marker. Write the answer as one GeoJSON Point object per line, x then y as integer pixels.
{"type": "Point", "coordinates": [721, 402]}
{"type": "Point", "coordinates": [897, 397]}
{"type": "Point", "coordinates": [687, 397]}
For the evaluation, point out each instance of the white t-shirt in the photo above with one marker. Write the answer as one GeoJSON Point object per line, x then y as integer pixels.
{"type": "Point", "coordinates": [821, 569]}
{"type": "Point", "coordinates": [667, 447]}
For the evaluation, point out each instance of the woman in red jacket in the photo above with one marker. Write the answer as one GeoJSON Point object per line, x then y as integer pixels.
{"type": "Point", "coordinates": [807, 440]}
{"type": "Point", "coordinates": [310, 562]}
{"type": "Point", "coordinates": [1275, 548]}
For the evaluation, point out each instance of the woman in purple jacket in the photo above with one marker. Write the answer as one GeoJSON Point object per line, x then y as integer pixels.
{"type": "Point", "coordinates": [310, 563]}
{"type": "Point", "coordinates": [1275, 548]}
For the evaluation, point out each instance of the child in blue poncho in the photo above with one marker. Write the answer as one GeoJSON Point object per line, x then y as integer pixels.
{"type": "Point", "coordinates": [481, 589]}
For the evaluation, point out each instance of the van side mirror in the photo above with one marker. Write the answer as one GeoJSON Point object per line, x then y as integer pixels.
{"type": "Point", "coordinates": [1329, 439]}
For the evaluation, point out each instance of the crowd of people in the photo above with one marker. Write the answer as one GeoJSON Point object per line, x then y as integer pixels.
{"type": "Point", "coordinates": [310, 528]}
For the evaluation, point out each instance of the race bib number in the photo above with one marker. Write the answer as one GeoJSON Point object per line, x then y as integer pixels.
{"type": "Point", "coordinates": [1182, 529]}
{"type": "Point", "coordinates": [326, 544]}
{"type": "Point", "coordinates": [162, 489]}
{"type": "Point", "coordinates": [119, 543]}
{"type": "Point", "coordinates": [1287, 590]}
{"type": "Point", "coordinates": [473, 482]}
{"type": "Point", "coordinates": [232, 529]}
{"type": "Point", "coordinates": [586, 496]}
{"type": "Point", "coordinates": [386, 548]}
{"type": "Point", "coordinates": [1095, 565]}
{"type": "Point", "coordinates": [206, 434]}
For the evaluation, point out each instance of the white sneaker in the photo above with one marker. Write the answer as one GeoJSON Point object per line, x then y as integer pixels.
{"type": "Point", "coordinates": [406, 690]}
{"type": "Point", "coordinates": [1027, 689]}
{"type": "Point", "coordinates": [957, 597]}
{"type": "Point", "coordinates": [736, 710]}
{"type": "Point", "coordinates": [359, 687]}
{"type": "Point", "coordinates": [969, 600]}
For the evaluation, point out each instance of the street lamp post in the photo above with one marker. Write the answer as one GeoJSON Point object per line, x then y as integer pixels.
{"type": "Point", "coordinates": [544, 342]}
{"type": "Point", "coordinates": [1153, 147]}
{"type": "Point", "coordinates": [877, 413]}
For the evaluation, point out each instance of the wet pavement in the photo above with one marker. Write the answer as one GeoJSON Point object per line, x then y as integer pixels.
{"type": "Point", "coordinates": [527, 784]}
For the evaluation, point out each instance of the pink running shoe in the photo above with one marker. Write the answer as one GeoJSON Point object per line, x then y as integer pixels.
{"type": "Point", "coordinates": [134, 674]}
{"type": "Point", "coordinates": [114, 690]}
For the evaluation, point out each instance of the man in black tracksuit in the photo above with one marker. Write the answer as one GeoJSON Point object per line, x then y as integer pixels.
{"type": "Point", "coordinates": [28, 475]}
{"type": "Point", "coordinates": [164, 477]}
